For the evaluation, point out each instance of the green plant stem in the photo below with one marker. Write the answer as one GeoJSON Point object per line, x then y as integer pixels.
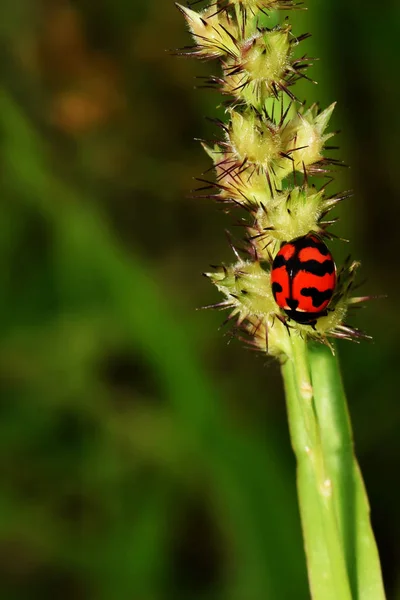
{"type": "Point", "coordinates": [325, 559]}
{"type": "Point", "coordinates": [350, 497]}
{"type": "Point", "coordinates": [342, 557]}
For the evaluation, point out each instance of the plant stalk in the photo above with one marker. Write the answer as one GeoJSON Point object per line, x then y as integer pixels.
{"type": "Point", "coordinates": [350, 497]}
{"type": "Point", "coordinates": [342, 557]}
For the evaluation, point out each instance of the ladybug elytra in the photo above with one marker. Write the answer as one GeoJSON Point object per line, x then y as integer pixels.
{"type": "Point", "coordinates": [303, 278]}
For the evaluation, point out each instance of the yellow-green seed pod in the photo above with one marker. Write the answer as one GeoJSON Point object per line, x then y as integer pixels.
{"type": "Point", "coordinates": [288, 215]}
{"type": "Point", "coordinates": [214, 33]}
{"type": "Point", "coordinates": [246, 286]}
{"type": "Point", "coordinates": [255, 141]}
{"type": "Point", "coordinates": [304, 136]}
{"type": "Point", "coordinates": [262, 68]}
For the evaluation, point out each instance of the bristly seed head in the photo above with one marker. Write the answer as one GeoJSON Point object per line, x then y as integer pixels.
{"type": "Point", "coordinates": [271, 146]}
{"type": "Point", "coordinates": [215, 33]}
{"type": "Point", "coordinates": [263, 68]}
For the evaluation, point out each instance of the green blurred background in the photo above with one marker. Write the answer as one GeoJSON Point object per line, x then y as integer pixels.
{"type": "Point", "coordinates": [142, 456]}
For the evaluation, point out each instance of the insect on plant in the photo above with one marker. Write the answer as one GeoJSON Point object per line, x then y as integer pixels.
{"type": "Point", "coordinates": [285, 295]}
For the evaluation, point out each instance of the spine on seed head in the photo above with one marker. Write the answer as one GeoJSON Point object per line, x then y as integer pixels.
{"type": "Point", "coordinates": [270, 145]}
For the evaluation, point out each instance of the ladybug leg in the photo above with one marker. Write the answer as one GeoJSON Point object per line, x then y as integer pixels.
{"type": "Point", "coordinates": [284, 321]}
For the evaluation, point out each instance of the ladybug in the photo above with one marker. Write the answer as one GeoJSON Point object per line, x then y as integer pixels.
{"type": "Point", "coordinates": [303, 278]}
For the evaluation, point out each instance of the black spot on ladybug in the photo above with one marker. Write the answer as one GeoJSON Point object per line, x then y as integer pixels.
{"type": "Point", "coordinates": [318, 268]}
{"type": "Point", "coordinates": [317, 297]}
{"type": "Point", "coordinates": [292, 303]}
{"type": "Point", "coordinates": [276, 288]}
{"type": "Point", "coordinates": [280, 261]}
{"type": "Point", "coordinates": [311, 241]}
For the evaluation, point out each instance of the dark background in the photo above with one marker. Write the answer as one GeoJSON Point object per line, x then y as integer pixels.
{"type": "Point", "coordinates": [142, 457]}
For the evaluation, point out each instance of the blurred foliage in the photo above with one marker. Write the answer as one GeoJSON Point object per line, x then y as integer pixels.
{"type": "Point", "coordinates": [142, 457]}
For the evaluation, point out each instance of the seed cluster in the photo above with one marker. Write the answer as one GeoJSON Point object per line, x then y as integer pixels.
{"type": "Point", "coordinates": [270, 147]}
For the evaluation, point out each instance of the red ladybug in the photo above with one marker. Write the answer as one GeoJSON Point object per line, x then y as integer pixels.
{"type": "Point", "coordinates": [303, 278]}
